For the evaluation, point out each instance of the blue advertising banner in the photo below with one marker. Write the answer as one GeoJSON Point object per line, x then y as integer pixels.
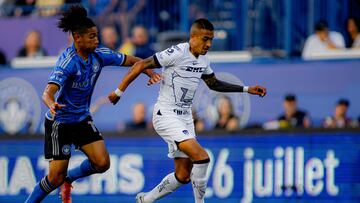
{"type": "Point", "coordinates": [277, 167]}
{"type": "Point", "coordinates": [317, 85]}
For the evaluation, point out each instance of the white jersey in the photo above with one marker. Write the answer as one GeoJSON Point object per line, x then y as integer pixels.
{"type": "Point", "coordinates": [181, 74]}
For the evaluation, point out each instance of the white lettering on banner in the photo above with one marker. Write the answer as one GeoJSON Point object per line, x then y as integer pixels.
{"type": "Point", "coordinates": [258, 180]}
{"type": "Point", "coordinates": [223, 176]}
{"type": "Point", "coordinates": [23, 176]}
{"type": "Point", "coordinates": [278, 175]}
{"type": "Point", "coordinates": [130, 166]}
{"type": "Point", "coordinates": [289, 171]}
{"type": "Point", "coordinates": [4, 162]}
{"type": "Point", "coordinates": [330, 164]}
{"type": "Point", "coordinates": [248, 175]}
{"type": "Point", "coordinates": [314, 172]}
{"type": "Point", "coordinates": [124, 176]}
{"type": "Point", "coordinates": [299, 171]}
{"type": "Point", "coordinates": [285, 174]}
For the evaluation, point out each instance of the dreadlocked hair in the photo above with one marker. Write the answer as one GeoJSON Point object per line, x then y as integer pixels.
{"type": "Point", "coordinates": [75, 20]}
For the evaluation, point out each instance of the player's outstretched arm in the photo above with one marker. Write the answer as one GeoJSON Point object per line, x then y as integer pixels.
{"type": "Point", "coordinates": [49, 98]}
{"type": "Point", "coordinates": [154, 77]}
{"type": "Point", "coordinates": [217, 85]}
{"type": "Point", "coordinates": [134, 72]}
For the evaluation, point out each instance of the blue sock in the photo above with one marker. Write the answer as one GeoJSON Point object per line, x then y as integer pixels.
{"type": "Point", "coordinates": [41, 190]}
{"type": "Point", "coordinates": [85, 169]}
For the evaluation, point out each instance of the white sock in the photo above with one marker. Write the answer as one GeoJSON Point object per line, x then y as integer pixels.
{"type": "Point", "coordinates": [199, 180]}
{"type": "Point", "coordinates": [168, 185]}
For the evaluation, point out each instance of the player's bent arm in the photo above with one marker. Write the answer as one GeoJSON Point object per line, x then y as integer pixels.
{"type": "Point", "coordinates": [131, 60]}
{"type": "Point", "coordinates": [136, 69]}
{"type": "Point", "coordinates": [48, 96]}
{"type": "Point", "coordinates": [134, 72]}
{"type": "Point", "coordinates": [220, 86]}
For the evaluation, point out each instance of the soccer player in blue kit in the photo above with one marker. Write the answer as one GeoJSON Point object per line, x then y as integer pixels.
{"type": "Point", "coordinates": [68, 120]}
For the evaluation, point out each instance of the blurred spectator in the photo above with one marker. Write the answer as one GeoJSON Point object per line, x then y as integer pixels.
{"type": "Point", "coordinates": [293, 117]}
{"type": "Point", "coordinates": [121, 13]}
{"type": "Point", "coordinates": [2, 58]}
{"type": "Point", "coordinates": [6, 7]}
{"type": "Point", "coordinates": [353, 29]}
{"type": "Point", "coordinates": [24, 7]}
{"type": "Point", "coordinates": [198, 122]}
{"type": "Point", "coordinates": [138, 45]}
{"type": "Point", "coordinates": [109, 37]}
{"type": "Point", "coordinates": [138, 121]}
{"type": "Point", "coordinates": [32, 46]}
{"type": "Point", "coordinates": [102, 7]}
{"type": "Point", "coordinates": [322, 41]}
{"type": "Point", "coordinates": [339, 119]}
{"type": "Point", "coordinates": [227, 119]}
{"type": "Point", "coordinates": [49, 8]}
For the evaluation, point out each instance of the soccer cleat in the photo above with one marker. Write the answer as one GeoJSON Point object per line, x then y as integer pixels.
{"type": "Point", "coordinates": [65, 191]}
{"type": "Point", "coordinates": [140, 197]}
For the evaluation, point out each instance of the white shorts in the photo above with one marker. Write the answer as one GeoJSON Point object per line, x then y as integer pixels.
{"type": "Point", "coordinates": [174, 126]}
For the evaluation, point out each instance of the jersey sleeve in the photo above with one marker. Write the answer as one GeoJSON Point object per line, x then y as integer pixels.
{"type": "Point", "coordinates": [59, 75]}
{"type": "Point", "coordinates": [110, 57]}
{"type": "Point", "coordinates": [208, 70]}
{"type": "Point", "coordinates": [169, 56]}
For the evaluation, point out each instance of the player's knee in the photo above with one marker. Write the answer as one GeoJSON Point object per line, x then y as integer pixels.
{"type": "Point", "coordinates": [102, 165]}
{"type": "Point", "coordinates": [202, 155]}
{"type": "Point", "coordinates": [183, 177]}
{"type": "Point", "coordinates": [57, 178]}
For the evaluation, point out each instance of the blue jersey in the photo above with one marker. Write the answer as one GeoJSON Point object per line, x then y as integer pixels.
{"type": "Point", "coordinates": [76, 79]}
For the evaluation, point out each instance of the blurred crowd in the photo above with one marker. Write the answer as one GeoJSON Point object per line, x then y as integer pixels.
{"type": "Point", "coordinates": [325, 40]}
{"type": "Point", "coordinates": [120, 31]}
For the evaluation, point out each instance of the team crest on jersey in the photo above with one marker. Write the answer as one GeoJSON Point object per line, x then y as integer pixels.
{"type": "Point", "coordinates": [96, 66]}
{"type": "Point", "coordinates": [19, 106]}
{"type": "Point", "coordinates": [66, 149]}
{"type": "Point", "coordinates": [186, 132]}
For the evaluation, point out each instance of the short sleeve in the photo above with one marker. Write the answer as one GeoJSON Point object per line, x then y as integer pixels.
{"type": "Point", "coordinates": [208, 70]}
{"type": "Point", "coordinates": [59, 75]}
{"type": "Point", "coordinates": [110, 57]}
{"type": "Point", "coordinates": [169, 56]}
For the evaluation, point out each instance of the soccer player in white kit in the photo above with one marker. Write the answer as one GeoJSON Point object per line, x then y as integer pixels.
{"type": "Point", "coordinates": [183, 67]}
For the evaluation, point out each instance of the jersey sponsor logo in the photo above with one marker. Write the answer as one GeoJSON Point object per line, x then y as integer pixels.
{"type": "Point", "coordinates": [66, 149]}
{"type": "Point", "coordinates": [19, 106]}
{"type": "Point", "coordinates": [82, 84]}
{"type": "Point", "coordinates": [195, 69]}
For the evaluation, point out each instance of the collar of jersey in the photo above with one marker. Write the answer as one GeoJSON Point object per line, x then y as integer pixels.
{"type": "Point", "coordinates": [80, 58]}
